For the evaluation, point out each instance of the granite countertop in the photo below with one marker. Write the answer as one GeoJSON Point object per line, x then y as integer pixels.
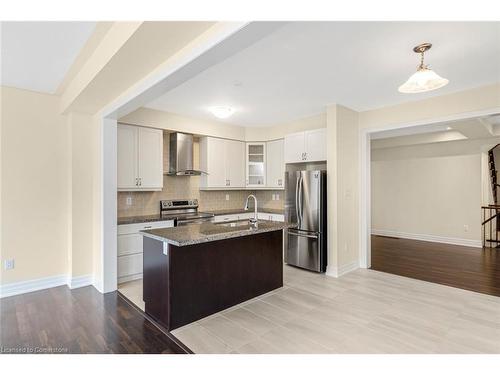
{"type": "Point", "coordinates": [158, 217]}
{"type": "Point", "coordinates": [144, 219]}
{"type": "Point", "coordinates": [208, 231]}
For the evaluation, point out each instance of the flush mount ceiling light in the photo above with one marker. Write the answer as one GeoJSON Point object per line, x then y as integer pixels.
{"type": "Point", "coordinates": [424, 79]}
{"type": "Point", "coordinates": [221, 112]}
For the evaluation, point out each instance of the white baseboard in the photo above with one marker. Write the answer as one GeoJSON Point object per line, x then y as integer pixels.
{"type": "Point", "coordinates": [12, 289]}
{"type": "Point", "coordinates": [80, 281]}
{"type": "Point", "coordinates": [428, 238]}
{"type": "Point", "coordinates": [342, 270]}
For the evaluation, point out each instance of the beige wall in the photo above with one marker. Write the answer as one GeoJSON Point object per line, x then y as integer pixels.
{"type": "Point", "coordinates": [415, 192]}
{"type": "Point", "coordinates": [34, 178]}
{"type": "Point", "coordinates": [81, 193]}
{"type": "Point", "coordinates": [478, 99]}
{"type": "Point", "coordinates": [256, 133]}
{"type": "Point", "coordinates": [342, 130]}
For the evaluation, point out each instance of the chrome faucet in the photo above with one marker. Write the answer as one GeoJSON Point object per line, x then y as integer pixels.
{"type": "Point", "coordinates": [254, 220]}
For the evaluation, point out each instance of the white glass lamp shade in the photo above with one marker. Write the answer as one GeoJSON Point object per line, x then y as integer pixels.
{"type": "Point", "coordinates": [423, 80]}
{"type": "Point", "coordinates": [221, 111]}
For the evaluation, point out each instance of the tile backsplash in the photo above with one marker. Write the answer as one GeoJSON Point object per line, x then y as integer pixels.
{"type": "Point", "coordinates": [184, 187]}
{"type": "Point", "coordinates": [148, 203]}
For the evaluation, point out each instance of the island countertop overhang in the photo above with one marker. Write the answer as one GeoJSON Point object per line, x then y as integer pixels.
{"type": "Point", "coordinates": [209, 232]}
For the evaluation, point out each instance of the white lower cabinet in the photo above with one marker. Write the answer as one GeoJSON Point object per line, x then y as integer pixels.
{"type": "Point", "coordinates": [130, 248]}
{"type": "Point", "coordinates": [248, 215]}
{"type": "Point", "coordinates": [270, 217]}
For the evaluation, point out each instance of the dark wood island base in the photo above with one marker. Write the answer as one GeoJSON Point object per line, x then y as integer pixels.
{"type": "Point", "coordinates": [191, 282]}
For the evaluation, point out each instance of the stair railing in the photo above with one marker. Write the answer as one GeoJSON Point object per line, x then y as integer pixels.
{"type": "Point", "coordinates": [489, 225]}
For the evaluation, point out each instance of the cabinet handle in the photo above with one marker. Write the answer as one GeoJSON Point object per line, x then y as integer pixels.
{"type": "Point", "coordinates": [148, 227]}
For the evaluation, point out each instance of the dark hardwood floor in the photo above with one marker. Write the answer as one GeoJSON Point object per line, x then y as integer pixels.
{"type": "Point", "coordinates": [60, 320]}
{"type": "Point", "coordinates": [462, 267]}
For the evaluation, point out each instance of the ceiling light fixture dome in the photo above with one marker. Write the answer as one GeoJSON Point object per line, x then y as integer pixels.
{"type": "Point", "coordinates": [424, 79]}
{"type": "Point", "coordinates": [222, 112]}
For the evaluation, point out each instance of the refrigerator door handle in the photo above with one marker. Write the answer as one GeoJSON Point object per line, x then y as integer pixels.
{"type": "Point", "coordinates": [315, 236]}
{"type": "Point", "coordinates": [300, 199]}
{"type": "Point", "coordinates": [297, 184]}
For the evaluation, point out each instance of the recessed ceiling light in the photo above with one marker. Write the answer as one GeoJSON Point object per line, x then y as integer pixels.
{"type": "Point", "coordinates": [424, 79]}
{"type": "Point", "coordinates": [448, 128]}
{"type": "Point", "coordinates": [222, 112]}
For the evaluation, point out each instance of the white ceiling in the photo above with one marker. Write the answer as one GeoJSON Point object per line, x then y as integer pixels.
{"type": "Point", "coordinates": [37, 55]}
{"type": "Point", "coordinates": [297, 70]}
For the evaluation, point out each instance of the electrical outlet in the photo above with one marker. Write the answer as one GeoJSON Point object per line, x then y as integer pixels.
{"type": "Point", "coordinates": [274, 197]}
{"type": "Point", "coordinates": [129, 201]}
{"type": "Point", "coordinates": [227, 197]}
{"type": "Point", "coordinates": [8, 264]}
{"type": "Point", "coordinates": [277, 197]}
{"type": "Point", "coordinates": [466, 228]}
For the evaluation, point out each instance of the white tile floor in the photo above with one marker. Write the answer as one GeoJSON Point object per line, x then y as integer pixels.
{"type": "Point", "coordinates": [362, 312]}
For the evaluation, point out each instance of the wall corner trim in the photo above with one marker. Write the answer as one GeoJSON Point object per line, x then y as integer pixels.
{"type": "Point", "coordinates": [80, 281]}
{"type": "Point", "coordinates": [428, 238]}
{"type": "Point", "coordinates": [342, 270]}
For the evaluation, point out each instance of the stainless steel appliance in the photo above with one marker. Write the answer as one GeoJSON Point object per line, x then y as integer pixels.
{"type": "Point", "coordinates": [183, 212]}
{"type": "Point", "coordinates": [305, 204]}
{"type": "Point", "coordinates": [181, 155]}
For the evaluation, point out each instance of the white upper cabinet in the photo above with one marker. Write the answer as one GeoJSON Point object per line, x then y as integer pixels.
{"type": "Point", "coordinates": [127, 156]}
{"type": "Point", "coordinates": [275, 164]}
{"type": "Point", "coordinates": [315, 142]}
{"type": "Point", "coordinates": [256, 164]}
{"type": "Point", "coordinates": [150, 160]}
{"type": "Point", "coordinates": [235, 163]}
{"type": "Point", "coordinates": [295, 145]}
{"type": "Point", "coordinates": [140, 158]}
{"type": "Point", "coordinates": [224, 161]}
{"type": "Point", "coordinates": [212, 161]}
{"type": "Point", "coordinates": [306, 146]}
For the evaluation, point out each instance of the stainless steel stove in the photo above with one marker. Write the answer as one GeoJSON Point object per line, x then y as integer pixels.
{"type": "Point", "coordinates": [183, 212]}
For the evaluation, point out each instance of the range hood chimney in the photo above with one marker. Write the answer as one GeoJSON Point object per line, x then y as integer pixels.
{"type": "Point", "coordinates": [181, 155]}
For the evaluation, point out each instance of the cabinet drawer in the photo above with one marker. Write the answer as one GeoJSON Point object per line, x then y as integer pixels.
{"type": "Point", "coordinates": [129, 265]}
{"type": "Point", "coordinates": [129, 244]}
{"type": "Point", "coordinates": [135, 228]}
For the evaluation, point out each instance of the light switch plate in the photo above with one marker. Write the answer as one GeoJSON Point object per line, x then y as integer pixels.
{"type": "Point", "coordinates": [277, 197]}
{"type": "Point", "coordinates": [129, 201]}
{"type": "Point", "coordinates": [227, 197]}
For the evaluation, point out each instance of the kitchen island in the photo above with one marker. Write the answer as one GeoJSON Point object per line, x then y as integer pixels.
{"type": "Point", "coordinates": [193, 271]}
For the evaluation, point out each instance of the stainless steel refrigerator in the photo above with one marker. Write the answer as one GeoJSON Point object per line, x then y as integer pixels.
{"type": "Point", "coordinates": [305, 204]}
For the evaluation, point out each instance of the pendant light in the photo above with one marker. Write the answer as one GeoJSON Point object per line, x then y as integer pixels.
{"type": "Point", "coordinates": [424, 79]}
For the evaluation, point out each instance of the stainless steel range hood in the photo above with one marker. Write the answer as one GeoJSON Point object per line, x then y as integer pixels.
{"type": "Point", "coordinates": [181, 155]}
